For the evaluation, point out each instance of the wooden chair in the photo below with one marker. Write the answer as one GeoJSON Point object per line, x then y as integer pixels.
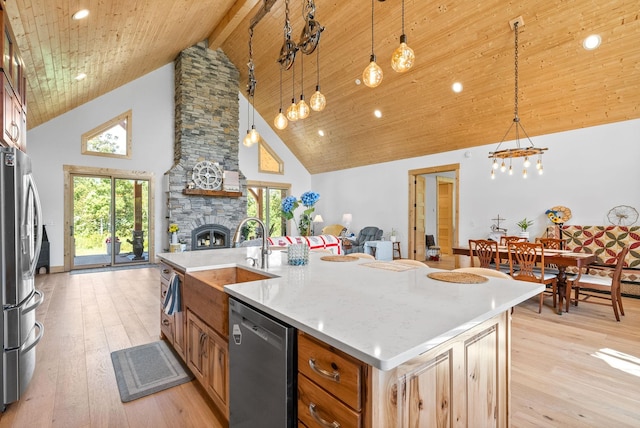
{"type": "Point", "coordinates": [505, 240]}
{"type": "Point", "coordinates": [362, 256]}
{"type": "Point", "coordinates": [602, 287]}
{"type": "Point", "coordinates": [484, 272]}
{"type": "Point", "coordinates": [550, 243]}
{"type": "Point", "coordinates": [486, 251]}
{"type": "Point", "coordinates": [522, 261]}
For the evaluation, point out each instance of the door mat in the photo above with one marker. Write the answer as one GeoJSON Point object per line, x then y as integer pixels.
{"type": "Point", "coordinates": [147, 369]}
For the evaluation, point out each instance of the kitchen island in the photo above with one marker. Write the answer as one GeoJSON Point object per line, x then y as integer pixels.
{"type": "Point", "coordinates": [429, 350]}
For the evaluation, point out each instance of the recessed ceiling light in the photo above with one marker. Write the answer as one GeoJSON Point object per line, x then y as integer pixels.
{"type": "Point", "coordinates": [457, 87]}
{"type": "Point", "coordinates": [377, 113]}
{"type": "Point", "coordinates": [592, 42]}
{"type": "Point", "coordinates": [80, 76]}
{"type": "Point", "coordinates": [81, 14]}
{"type": "Point", "coordinates": [321, 132]}
{"type": "Point", "coordinates": [358, 81]}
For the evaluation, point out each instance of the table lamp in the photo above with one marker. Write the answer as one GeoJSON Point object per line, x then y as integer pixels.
{"type": "Point", "coordinates": [316, 219]}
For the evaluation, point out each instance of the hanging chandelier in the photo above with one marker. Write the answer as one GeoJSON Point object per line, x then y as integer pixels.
{"type": "Point", "coordinates": [309, 40]}
{"type": "Point", "coordinates": [527, 151]}
{"type": "Point", "coordinates": [252, 136]}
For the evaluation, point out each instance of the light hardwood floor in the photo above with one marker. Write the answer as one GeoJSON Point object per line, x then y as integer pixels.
{"type": "Point", "coordinates": [581, 369]}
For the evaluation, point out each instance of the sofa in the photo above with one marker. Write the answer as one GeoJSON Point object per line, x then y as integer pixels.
{"type": "Point", "coordinates": [605, 242]}
{"type": "Point", "coordinates": [316, 242]}
{"type": "Point", "coordinates": [369, 233]}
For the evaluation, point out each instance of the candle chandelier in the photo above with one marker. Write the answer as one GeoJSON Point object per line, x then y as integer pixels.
{"type": "Point", "coordinates": [519, 151]}
{"type": "Point", "coordinates": [309, 41]}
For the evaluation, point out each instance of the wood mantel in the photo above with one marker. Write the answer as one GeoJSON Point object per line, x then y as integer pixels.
{"type": "Point", "coordinates": [219, 193]}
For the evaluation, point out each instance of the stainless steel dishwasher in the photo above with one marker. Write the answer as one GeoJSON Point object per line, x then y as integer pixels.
{"type": "Point", "coordinates": [262, 369]}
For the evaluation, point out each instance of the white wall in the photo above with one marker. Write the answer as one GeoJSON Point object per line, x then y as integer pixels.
{"type": "Point", "coordinates": [294, 172]}
{"type": "Point", "coordinates": [588, 170]}
{"type": "Point", "coordinates": [151, 98]}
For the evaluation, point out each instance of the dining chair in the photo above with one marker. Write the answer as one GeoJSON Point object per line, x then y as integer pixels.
{"type": "Point", "coordinates": [522, 261]}
{"type": "Point", "coordinates": [590, 286]}
{"type": "Point", "coordinates": [486, 251]}
{"type": "Point", "coordinates": [505, 240]}
{"type": "Point", "coordinates": [550, 243]}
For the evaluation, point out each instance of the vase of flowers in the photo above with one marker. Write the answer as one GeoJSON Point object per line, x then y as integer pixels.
{"type": "Point", "coordinates": [308, 200]}
{"type": "Point", "coordinates": [116, 245]}
{"type": "Point", "coordinates": [173, 230]}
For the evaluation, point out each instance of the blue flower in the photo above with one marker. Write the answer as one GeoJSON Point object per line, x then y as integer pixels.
{"type": "Point", "coordinates": [288, 204]}
{"type": "Point", "coordinates": [309, 198]}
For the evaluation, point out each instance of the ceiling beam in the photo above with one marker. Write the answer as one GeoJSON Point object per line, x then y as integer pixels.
{"type": "Point", "coordinates": [230, 22]}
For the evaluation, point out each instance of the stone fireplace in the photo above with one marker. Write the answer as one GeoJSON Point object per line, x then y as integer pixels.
{"type": "Point", "coordinates": [206, 129]}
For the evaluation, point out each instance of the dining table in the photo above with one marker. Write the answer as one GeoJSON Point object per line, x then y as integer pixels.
{"type": "Point", "coordinates": [562, 259]}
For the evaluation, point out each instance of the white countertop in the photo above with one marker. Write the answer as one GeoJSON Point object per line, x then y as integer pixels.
{"type": "Point", "coordinates": [383, 318]}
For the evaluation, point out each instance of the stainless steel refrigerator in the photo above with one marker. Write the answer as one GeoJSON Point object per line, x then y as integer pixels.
{"type": "Point", "coordinates": [20, 242]}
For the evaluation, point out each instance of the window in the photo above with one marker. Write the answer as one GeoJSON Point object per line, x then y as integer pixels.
{"type": "Point", "coordinates": [112, 138]}
{"type": "Point", "coordinates": [268, 160]}
{"type": "Point", "coordinates": [263, 201]}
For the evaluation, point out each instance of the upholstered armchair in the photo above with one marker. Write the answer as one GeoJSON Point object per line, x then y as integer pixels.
{"type": "Point", "coordinates": [369, 233]}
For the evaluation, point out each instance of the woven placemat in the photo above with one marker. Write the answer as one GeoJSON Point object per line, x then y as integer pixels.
{"type": "Point", "coordinates": [458, 277]}
{"type": "Point", "coordinates": [338, 258]}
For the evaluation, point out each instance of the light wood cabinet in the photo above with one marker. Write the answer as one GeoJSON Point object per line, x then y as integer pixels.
{"type": "Point", "coordinates": [461, 383]}
{"type": "Point", "coordinates": [331, 385]}
{"type": "Point", "coordinates": [207, 358]}
{"type": "Point", "coordinates": [172, 327]}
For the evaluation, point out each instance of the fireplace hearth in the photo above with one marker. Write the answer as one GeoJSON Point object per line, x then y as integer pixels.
{"type": "Point", "coordinates": [210, 236]}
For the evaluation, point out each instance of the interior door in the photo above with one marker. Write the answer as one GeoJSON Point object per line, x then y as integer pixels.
{"type": "Point", "coordinates": [420, 248]}
{"type": "Point", "coordinates": [445, 214]}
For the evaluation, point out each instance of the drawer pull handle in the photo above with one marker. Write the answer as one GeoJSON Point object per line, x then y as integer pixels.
{"type": "Point", "coordinates": [165, 322]}
{"type": "Point", "coordinates": [166, 271]}
{"type": "Point", "coordinates": [318, 418]}
{"type": "Point", "coordinates": [334, 376]}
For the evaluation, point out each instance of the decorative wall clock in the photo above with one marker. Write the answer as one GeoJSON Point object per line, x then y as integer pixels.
{"type": "Point", "coordinates": [207, 175]}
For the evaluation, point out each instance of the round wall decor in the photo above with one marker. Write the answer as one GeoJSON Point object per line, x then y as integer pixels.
{"type": "Point", "coordinates": [207, 175]}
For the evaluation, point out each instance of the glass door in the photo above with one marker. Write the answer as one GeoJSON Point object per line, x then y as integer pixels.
{"type": "Point", "coordinates": [264, 203]}
{"type": "Point", "coordinates": [110, 221]}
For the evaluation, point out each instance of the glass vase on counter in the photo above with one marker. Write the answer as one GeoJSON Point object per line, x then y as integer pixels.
{"type": "Point", "coordinates": [298, 254]}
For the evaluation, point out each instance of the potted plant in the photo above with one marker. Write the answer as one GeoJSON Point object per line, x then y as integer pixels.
{"type": "Point", "coordinates": [524, 225]}
{"type": "Point", "coordinates": [393, 237]}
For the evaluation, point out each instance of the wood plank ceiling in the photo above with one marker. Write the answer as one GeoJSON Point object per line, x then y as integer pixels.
{"type": "Point", "coordinates": [562, 85]}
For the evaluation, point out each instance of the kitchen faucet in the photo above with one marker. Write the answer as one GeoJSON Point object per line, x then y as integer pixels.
{"type": "Point", "coordinates": [265, 250]}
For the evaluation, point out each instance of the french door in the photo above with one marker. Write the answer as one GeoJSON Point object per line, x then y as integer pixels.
{"type": "Point", "coordinates": [109, 220]}
{"type": "Point", "coordinates": [264, 202]}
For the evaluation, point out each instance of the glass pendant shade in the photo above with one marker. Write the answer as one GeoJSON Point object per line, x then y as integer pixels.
{"type": "Point", "coordinates": [280, 122]}
{"type": "Point", "coordinates": [372, 75]}
{"type": "Point", "coordinates": [247, 140]}
{"type": "Point", "coordinates": [292, 111]}
{"type": "Point", "coordinates": [403, 57]}
{"type": "Point", "coordinates": [254, 136]}
{"type": "Point", "coordinates": [303, 108]}
{"type": "Point", "coordinates": [318, 101]}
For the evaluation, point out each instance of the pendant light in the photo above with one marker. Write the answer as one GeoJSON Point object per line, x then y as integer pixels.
{"type": "Point", "coordinates": [372, 75]}
{"type": "Point", "coordinates": [517, 152]}
{"type": "Point", "coordinates": [252, 136]}
{"type": "Point", "coordinates": [292, 111]}
{"type": "Point", "coordinates": [280, 121]}
{"type": "Point", "coordinates": [303, 107]}
{"type": "Point", "coordinates": [403, 57]}
{"type": "Point", "coordinates": [318, 101]}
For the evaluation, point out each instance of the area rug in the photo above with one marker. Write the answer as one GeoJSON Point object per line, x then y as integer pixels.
{"type": "Point", "coordinates": [147, 369]}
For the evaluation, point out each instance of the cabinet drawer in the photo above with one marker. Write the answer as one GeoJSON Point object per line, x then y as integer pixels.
{"type": "Point", "coordinates": [165, 272]}
{"type": "Point", "coordinates": [315, 405]}
{"type": "Point", "coordinates": [333, 370]}
{"type": "Point", "coordinates": [163, 291]}
{"type": "Point", "coordinates": [167, 326]}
